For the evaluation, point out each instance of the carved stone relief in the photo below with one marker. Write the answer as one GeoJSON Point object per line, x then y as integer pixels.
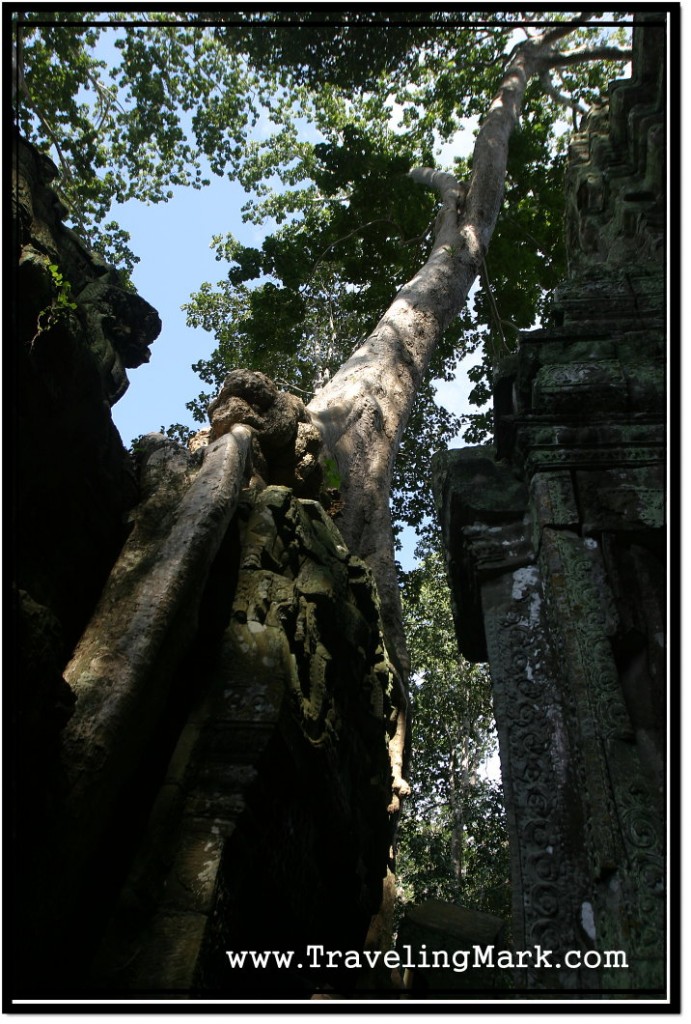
{"type": "Point", "coordinates": [567, 589]}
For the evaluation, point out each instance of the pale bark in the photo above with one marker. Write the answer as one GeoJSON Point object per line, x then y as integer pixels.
{"type": "Point", "coordinates": [365, 408]}
{"type": "Point", "coordinates": [123, 664]}
{"type": "Point", "coordinates": [363, 411]}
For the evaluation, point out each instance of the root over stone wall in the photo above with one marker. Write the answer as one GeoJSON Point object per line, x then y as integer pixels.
{"type": "Point", "coordinates": [203, 695]}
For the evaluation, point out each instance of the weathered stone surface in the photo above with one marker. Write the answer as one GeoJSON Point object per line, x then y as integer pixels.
{"type": "Point", "coordinates": [285, 755]}
{"type": "Point", "coordinates": [615, 182]}
{"type": "Point", "coordinates": [74, 481]}
{"type": "Point", "coordinates": [43, 701]}
{"type": "Point", "coordinates": [286, 445]}
{"type": "Point", "coordinates": [491, 490]}
{"type": "Point", "coordinates": [556, 556]}
{"type": "Point", "coordinates": [111, 326]}
{"type": "Point", "coordinates": [73, 484]}
{"type": "Point", "coordinates": [482, 537]}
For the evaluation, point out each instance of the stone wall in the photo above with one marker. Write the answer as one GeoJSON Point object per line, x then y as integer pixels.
{"type": "Point", "coordinates": [555, 539]}
{"type": "Point", "coordinates": [74, 480]}
{"type": "Point", "coordinates": [203, 696]}
{"type": "Point", "coordinates": [270, 827]}
{"type": "Point", "coordinates": [72, 485]}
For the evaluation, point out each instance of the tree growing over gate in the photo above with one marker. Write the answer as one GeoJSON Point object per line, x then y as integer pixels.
{"type": "Point", "coordinates": [364, 220]}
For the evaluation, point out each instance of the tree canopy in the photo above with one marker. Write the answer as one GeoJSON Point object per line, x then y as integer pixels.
{"type": "Point", "coordinates": [133, 103]}
{"type": "Point", "coordinates": [333, 121]}
{"type": "Point", "coordinates": [452, 840]}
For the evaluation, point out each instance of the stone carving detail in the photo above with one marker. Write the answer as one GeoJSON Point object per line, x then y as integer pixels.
{"type": "Point", "coordinates": [623, 833]}
{"type": "Point", "coordinates": [69, 368]}
{"type": "Point", "coordinates": [302, 658]}
{"type": "Point", "coordinates": [615, 175]}
{"type": "Point", "coordinates": [535, 753]}
{"type": "Point", "coordinates": [115, 325]}
{"type": "Point", "coordinates": [567, 589]}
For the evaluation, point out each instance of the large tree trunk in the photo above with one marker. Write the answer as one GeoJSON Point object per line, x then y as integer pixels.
{"type": "Point", "coordinates": [365, 408]}
{"type": "Point", "coordinates": [363, 411]}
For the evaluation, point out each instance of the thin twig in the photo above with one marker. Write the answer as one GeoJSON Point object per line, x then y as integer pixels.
{"type": "Point", "coordinates": [494, 312]}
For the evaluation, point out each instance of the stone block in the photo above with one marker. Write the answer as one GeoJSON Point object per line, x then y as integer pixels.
{"type": "Point", "coordinates": [553, 502]}
{"type": "Point", "coordinates": [629, 498]}
{"type": "Point", "coordinates": [191, 883]}
{"type": "Point", "coordinates": [477, 487]}
{"type": "Point", "coordinates": [168, 958]}
{"type": "Point", "coordinates": [571, 388]}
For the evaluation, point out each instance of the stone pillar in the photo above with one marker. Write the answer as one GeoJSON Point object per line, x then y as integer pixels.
{"type": "Point", "coordinates": [580, 766]}
{"type": "Point", "coordinates": [555, 542]}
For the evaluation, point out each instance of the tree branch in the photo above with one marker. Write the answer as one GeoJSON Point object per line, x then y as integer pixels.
{"type": "Point", "coordinates": [452, 193]}
{"type": "Point", "coordinates": [557, 32]}
{"type": "Point", "coordinates": [580, 56]}
{"type": "Point", "coordinates": [446, 185]}
{"type": "Point", "coordinates": [561, 97]}
{"type": "Point", "coordinates": [486, 189]}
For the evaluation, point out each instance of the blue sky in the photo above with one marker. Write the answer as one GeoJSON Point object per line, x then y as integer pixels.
{"type": "Point", "coordinates": [173, 242]}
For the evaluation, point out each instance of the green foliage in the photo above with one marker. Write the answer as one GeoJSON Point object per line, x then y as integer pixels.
{"type": "Point", "coordinates": [424, 859]}
{"type": "Point", "coordinates": [431, 427]}
{"type": "Point", "coordinates": [351, 100]}
{"type": "Point", "coordinates": [63, 289]}
{"type": "Point", "coordinates": [128, 113]}
{"type": "Point", "coordinates": [332, 478]}
{"type": "Point", "coordinates": [353, 49]}
{"type": "Point", "coordinates": [452, 841]}
{"type": "Point", "coordinates": [298, 305]}
{"type": "Point", "coordinates": [177, 432]}
{"type": "Point", "coordinates": [61, 304]}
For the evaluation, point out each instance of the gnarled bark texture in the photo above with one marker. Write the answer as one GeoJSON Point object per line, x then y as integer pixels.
{"type": "Point", "coordinates": [207, 767]}
{"type": "Point", "coordinates": [219, 765]}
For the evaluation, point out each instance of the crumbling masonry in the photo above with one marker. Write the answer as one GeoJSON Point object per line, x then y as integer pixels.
{"type": "Point", "coordinates": [556, 546]}
{"type": "Point", "coordinates": [202, 697]}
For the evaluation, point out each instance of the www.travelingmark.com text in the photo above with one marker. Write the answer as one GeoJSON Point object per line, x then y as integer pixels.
{"type": "Point", "coordinates": [459, 960]}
